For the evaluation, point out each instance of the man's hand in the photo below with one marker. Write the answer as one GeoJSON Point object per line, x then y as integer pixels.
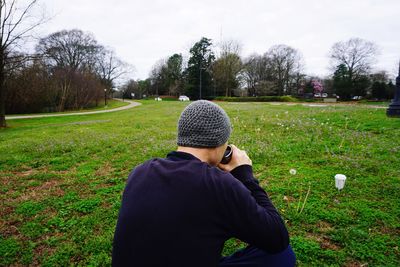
{"type": "Point", "coordinates": [239, 157]}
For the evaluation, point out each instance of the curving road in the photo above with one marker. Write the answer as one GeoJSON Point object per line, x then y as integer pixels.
{"type": "Point", "coordinates": [131, 105]}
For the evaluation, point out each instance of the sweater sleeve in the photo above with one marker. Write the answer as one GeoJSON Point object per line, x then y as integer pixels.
{"type": "Point", "coordinates": [252, 216]}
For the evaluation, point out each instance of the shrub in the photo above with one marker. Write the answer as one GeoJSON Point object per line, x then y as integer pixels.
{"type": "Point", "coordinates": [257, 99]}
{"type": "Point", "coordinates": [168, 98]}
{"type": "Point", "coordinates": [288, 98]}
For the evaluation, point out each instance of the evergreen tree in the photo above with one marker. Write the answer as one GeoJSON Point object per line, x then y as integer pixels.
{"type": "Point", "coordinates": [360, 85]}
{"type": "Point", "coordinates": [342, 82]}
{"type": "Point", "coordinates": [391, 88]}
{"type": "Point", "coordinates": [199, 81]}
{"type": "Point", "coordinates": [174, 74]}
{"type": "Point", "coordinates": [379, 90]}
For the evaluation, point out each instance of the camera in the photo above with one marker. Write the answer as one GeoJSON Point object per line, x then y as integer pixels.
{"type": "Point", "coordinates": [227, 155]}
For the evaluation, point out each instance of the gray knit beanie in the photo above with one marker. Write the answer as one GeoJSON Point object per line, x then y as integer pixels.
{"type": "Point", "coordinates": [203, 124]}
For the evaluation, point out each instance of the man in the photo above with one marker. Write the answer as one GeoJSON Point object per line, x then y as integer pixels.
{"type": "Point", "coordinates": [180, 210]}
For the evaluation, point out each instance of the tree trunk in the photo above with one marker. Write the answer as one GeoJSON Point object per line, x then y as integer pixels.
{"type": "Point", "coordinates": [2, 101]}
{"type": "Point", "coordinates": [64, 94]}
{"type": "Point", "coordinates": [2, 94]}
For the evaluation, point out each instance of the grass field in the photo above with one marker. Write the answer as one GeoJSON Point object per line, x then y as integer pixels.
{"type": "Point", "coordinates": [62, 179]}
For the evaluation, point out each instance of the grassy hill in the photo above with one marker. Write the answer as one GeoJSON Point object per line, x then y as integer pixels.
{"type": "Point", "coordinates": [62, 178]}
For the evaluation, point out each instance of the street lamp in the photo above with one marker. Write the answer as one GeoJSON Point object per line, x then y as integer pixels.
{"type": "Point", "coordinates": [394, 107]}
{"type": "Point", "coordinates": [105, 97]}
{"type": "Point", "coordinates": [200, 78]}
{"type": "Point", "coordinates": [200, 82]}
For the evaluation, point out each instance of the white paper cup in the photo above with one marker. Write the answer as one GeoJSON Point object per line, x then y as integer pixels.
{"type": "Point", "coordinates": [340, 179]}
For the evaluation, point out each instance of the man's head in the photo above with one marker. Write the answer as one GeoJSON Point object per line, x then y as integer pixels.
{"type": "Point", "coordinates": [204, 125]}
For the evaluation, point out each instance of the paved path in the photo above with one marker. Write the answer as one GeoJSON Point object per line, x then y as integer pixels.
{"type": "Point", "coordinates": [325, 104]}
{"type": "Point", "coordinates": [131, 105]}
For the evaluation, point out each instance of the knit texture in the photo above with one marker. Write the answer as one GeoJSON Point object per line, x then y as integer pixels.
{"type": "Point", "coordinates": [203, 124]}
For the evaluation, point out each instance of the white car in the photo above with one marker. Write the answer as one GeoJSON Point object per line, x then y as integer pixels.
{"type": "Point", "coordinates": [184, 98]}
{"type": "Point", "coordinates": [157, 99]}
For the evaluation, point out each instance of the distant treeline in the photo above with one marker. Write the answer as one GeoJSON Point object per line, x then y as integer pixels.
{"type": "Point", "coordinates": [69, 70]}
{"type": "Point", "coordinates": [279, 71]}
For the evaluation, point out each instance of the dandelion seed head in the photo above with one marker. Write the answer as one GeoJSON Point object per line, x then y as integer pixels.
{"type": "Point", "coordinates": [292, 171]}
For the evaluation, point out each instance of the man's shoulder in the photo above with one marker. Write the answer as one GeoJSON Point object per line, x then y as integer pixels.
{"type": "Point", "coordinates": [142, 165]}
{"type": "Point", "coordinates": [199, 169]}
{"type": "Point", "coordinates": [165, 165]}
{"type": "Point", "coordinates": [221, 177]}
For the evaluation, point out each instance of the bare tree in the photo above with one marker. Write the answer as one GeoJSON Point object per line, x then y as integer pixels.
{"type": "Point", "coordinates": [256, 70]}
{"type": "Point", "coordinates": [158, 77]}
{"type": "Point", "coordinates": [110, 68]}
{"type": "Point", "coordinates": [380, 76]}
{"type": "Point", "coordinates": [285, 62]}
{"type": "Point", "coordinates": [16, 25]}
{"type": "Point", "coordinates": [230, 47]}
{"type": "Point", "coordinates": [356, 54]}
{"type": "Point", "coordinates": [73, 50]}
{"type": "Point", "coordinates": [227, 67]}
{"type": "Point", "coordinates": [69, 54]}
{"type": "Point", "coordinates": [226, 70]}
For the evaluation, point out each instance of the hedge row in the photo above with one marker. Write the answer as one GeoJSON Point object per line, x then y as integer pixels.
{"type": "Point", "coordinates": [257, 99]}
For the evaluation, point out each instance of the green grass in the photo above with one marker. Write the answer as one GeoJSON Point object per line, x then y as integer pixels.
{"type": "Point", "coordinates": [62, 179]}
{"type": "Point", "coordinates": [375, 103]}
{"type": "Point", "coordinates": [111, 104]}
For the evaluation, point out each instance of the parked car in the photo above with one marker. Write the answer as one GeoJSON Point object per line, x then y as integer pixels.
{"type": "Point", "coordinates": [317, 95]}
{"type": "Point", "coordinates": [308, 95]}
{"type": "Point", "coordinates": [324, 95]}
{"type": "Point", "coordinates": [357, 97]}
{"type": "Point", "coordinates": [183, 98]}
{"type": "Point", "coordinates": [158, 99]}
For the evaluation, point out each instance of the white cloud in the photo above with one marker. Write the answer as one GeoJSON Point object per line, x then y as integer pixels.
{"type": "Point", "coordinates": [142, 32]}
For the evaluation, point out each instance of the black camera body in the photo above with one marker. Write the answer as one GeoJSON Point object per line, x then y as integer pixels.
{"type": "Point", "coordinates": [227, 155]}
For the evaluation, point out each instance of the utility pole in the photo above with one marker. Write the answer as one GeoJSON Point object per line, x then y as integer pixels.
{"type": "Point", "coordinates": [394, 107]}
{"type": "Point", "coordinates": [105, 97]}
{"type": "Point", "coordinates": [200, 81]}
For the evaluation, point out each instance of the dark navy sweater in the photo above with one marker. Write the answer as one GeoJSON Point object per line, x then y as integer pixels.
{"type": "Point", "coordinates": [179, 211]}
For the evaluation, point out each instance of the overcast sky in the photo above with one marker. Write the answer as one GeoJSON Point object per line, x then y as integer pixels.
{"type": "Point", "coordinates": [144, 31]}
